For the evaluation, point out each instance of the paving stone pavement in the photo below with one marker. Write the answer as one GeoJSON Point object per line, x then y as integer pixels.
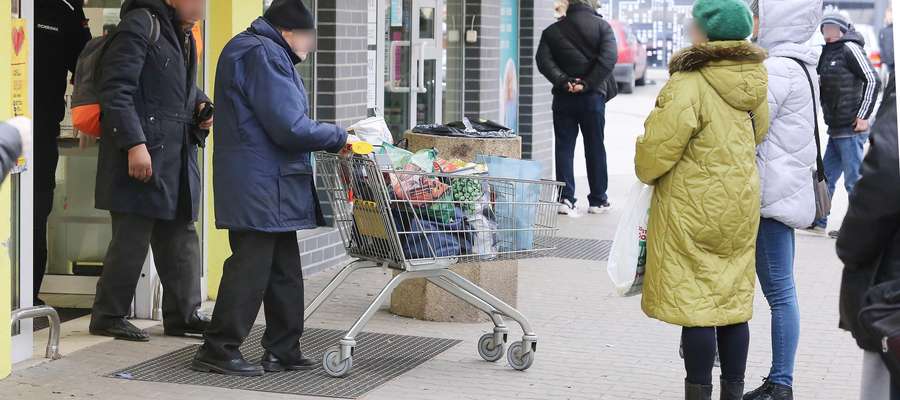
{"type": "Point", "coordinates": [593, 345]}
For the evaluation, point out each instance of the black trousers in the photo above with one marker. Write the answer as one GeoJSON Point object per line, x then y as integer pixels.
{"type": "Point", "coordinates": [700, 346]}
{"type": "Point", "coordinates": [263, 267]}
{"type": "Point", "coordinates": [176, 252]}
{"type": "Point", "coordinates": [46, 156]}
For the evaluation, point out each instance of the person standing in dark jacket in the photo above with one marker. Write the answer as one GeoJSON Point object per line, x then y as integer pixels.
{"type": "Point", "coordinates": [869, 241]}
{"type": "Point", "coordinates": [264, 190]}
{"type": "Point", "coordinates": [886, 41]}
{"type": "Point", "coordinates": [580, 86]}
{"type": "Point", "coordinates": [147, 175]}
{"type": "Point", "coordinates": [849, 91]}
{"type": "Point", "coordinates": [61, 31]}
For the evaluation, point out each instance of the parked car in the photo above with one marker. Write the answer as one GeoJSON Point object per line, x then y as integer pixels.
{"type": "Point", "coordinates": [631, 67]}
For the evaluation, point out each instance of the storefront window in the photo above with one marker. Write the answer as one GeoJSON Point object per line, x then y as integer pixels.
{"type": "Point", "coordinates": [16, 271]}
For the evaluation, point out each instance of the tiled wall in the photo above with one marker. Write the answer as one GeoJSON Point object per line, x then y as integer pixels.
{"type": "Point", "coordinates": [535, 100]}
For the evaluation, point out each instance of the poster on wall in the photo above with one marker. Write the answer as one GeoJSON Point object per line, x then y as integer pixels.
{"type": "Point", "coordinates": [509, 63]}
{"type": "Point", "coordinates": [19, 77]}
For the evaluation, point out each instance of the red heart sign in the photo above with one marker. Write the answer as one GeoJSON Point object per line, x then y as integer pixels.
{"type": "Point", "coordinates": [18, 39]}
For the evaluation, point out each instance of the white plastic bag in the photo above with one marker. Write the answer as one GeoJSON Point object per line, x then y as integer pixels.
{"type": "Point", "coordinates": [373, 130]}
{"type": "Point", "coordinates": [628, 257]}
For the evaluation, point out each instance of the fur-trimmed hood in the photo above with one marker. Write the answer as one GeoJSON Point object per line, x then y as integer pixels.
{"type": "Point", "coordinates": [733, 68]}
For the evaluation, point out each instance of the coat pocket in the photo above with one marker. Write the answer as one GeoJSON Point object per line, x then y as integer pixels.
{"type": "Point", "coordinates": [295, 196]}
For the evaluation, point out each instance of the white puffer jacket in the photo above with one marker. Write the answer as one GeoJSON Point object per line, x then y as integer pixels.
{"type": "Point", "coordinates": [787, 157]}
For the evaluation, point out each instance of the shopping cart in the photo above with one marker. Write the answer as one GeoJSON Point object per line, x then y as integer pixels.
{"type": "Point", "coordinates": [423, 223]}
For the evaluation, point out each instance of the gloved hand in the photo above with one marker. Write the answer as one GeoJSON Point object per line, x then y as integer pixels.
{"type": "Point", "coordinates": [23, 125]}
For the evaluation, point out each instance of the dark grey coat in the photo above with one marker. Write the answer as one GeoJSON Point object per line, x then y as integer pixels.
{"type": "Point", "coordinates": [148, 95]}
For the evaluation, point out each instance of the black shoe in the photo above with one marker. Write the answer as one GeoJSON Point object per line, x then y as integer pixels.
{"type": "Point", "coordinates": [694, 391]}
{"type": "Point", "coordinates": [272, 363]}
{"type": "Point", "coordinates": [770, 391]}
{"type": "Point", "coordinates": [205, 361]}
{"type": "Point", "coordinates": [760, 393]}
{"type": "Point", "coordinates": [834, 234]}
{"type": "Point", "coordinates": [780, 392]}
{"type": "Point", "coordinates": [199, 323]}
{"type": "Point", "coordinates": [731, 390]}
{"type": "Point", "coordinates": [119, 328]}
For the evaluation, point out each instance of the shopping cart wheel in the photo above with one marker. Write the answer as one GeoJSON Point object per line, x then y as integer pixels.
{"type": "Point", "coordinates": [332, 364]}
{"type": "Point", "coordinates": [488, 350]}
{"type": "Point", "coordinates": [518, 358]}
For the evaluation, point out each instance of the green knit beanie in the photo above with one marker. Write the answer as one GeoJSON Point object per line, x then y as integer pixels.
{"type": "Point", "coordinates": [723, 19]}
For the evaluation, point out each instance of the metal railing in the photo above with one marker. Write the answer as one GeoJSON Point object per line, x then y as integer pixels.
{"type": "Point", "coordinates": [38, 312]}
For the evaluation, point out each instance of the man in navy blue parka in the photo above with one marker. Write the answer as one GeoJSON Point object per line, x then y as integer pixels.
{"type": "Point", "coordinates": [264, 189]}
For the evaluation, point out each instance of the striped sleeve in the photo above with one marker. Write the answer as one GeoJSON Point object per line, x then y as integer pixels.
{"type": "Point", "coordinates": [861, 66]}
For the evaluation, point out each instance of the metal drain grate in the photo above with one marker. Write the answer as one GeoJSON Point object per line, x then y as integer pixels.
{"type": "Point", "coordinates": [581, 249]}
{"type": "Point", "coordinates": [378, 358]}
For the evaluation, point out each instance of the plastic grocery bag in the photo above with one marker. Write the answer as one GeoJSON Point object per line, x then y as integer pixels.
{"type": "Point", "coordinates": [516, 202]}
{"type": "Point", "coordinates": [628, 257]}
{"type": "Point", "coordinates": [373, 130]}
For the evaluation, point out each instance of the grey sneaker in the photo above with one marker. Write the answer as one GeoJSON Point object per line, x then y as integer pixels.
{"type": "Point", "coordinates": [600, 209]}
{"type": "Point", "coordinates": [566, 207]}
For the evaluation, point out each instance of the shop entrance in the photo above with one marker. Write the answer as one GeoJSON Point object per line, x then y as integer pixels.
{"type": "Point", "coordinates": [77, 233]}
{"type": "Point", "coordinates": [416, 50]}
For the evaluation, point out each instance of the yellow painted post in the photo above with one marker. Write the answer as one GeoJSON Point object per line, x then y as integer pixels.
{"type": "Point", "coordinates": [226, 18]}
{"type": "Point", "coordinates": [5, 194]}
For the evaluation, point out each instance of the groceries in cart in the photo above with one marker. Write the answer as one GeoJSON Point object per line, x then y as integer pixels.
{"type": "Point", "coordinates": [446, 209]}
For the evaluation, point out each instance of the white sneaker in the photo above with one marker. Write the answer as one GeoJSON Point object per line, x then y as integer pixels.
{"type": "Point", "coordinates": [601, 209]}
{"type": "Point", "coordinates": [567, 208]}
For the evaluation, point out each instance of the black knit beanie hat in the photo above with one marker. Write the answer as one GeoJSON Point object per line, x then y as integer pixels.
{"type": "Point", "coordinates": [290, 14]}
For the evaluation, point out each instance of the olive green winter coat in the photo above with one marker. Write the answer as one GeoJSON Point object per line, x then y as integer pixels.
{"type": "Point", "coordinates": [699, 152]}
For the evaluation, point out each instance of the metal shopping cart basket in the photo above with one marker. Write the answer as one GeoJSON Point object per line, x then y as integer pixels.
{"type": "Point", "coordinates": [423, 223]}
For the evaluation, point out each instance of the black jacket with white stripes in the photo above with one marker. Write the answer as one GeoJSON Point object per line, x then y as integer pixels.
{"type": "Point", "coordinates": [849, 84]}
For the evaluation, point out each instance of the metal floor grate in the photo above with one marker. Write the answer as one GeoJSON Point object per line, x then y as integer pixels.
{"type": "Point", "coordinates": [378, 359]}
{"type": "Point", "coordinates": [581, 249]}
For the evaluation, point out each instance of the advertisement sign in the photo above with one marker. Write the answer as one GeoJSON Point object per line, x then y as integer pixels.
{"type": "Point", "coordinates": [19, 79]}
{"type": "Point", "coordinates": [509, 63]}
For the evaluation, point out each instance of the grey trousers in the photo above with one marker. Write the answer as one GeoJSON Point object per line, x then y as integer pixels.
{"type": "Point", "coordinates": [176, 252]}
{"type": "Point", "coordinates": [876, 379]}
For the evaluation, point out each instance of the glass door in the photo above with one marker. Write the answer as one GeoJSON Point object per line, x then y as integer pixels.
{"type": "Point", "coordinates": [413, 51]}
{"type": "Point", "coordinates": [18, 186]}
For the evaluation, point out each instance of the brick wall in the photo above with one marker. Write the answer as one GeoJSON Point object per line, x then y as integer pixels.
{"type": "Point", "coordinates": [535, 100]}
{"type": "Point", "coordinates": [482, 60]}
{"type": "Point", "coordinates": [340, 99]}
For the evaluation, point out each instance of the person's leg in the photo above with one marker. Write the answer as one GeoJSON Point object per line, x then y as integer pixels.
{"type": "Point", "coordinates": [734, 342]}
{"type": "Point", "coordinates": [876, 380]}
{"type": "Point", "coordinates": [245, 276]}
{"type": "Point", "coordinates": [593, 122]}
{"type": "Point", "coordinates": [46, 158]}
{"type": "Point", "coordinates": [565, 129]}
{"type": "Point", "coordinates": [699, 354]}
{"type": "Point", "coordinates": [853, 151]}
{"type": "Point", "coordinates": [121, 267]}
{"type": "Point", "coordinates": [775, 268]}
{"type": "Point", "coordinates": [176, 251]}
{"type": "Point", "coordinates": [833, 169]}
{"type": "Point", "coordinates": [284, 299]}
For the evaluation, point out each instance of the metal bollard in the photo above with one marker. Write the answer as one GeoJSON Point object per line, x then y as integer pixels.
{"type": "Point", "coordinates": [37, 312]}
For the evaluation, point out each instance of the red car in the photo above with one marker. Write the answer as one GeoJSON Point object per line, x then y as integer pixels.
{"type": "Point", "coordinates": [631, 67]}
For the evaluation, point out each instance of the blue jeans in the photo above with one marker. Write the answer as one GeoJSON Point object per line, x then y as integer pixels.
{"type": "Point", "coordinates": [843, 156]}
{"type": "Point", "coordinates": [589, 113]}
{"type": "Point", "coordinates": [775, 269]}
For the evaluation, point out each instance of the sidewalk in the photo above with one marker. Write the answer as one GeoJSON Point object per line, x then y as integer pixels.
{"type": "Point", "coordinates": [593, 345]}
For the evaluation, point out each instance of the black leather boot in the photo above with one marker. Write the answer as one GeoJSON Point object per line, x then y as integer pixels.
{"type": "Point", "coordinates": [731, 390]}
{"type": "Point", "coordinates": [271, 363]}
{"type": "Point", "coordinates": [118, 328]}
{"type": "Point", "coordinates": [207, 361]}
{"type": "Point", "coordinates": [693, 391]}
